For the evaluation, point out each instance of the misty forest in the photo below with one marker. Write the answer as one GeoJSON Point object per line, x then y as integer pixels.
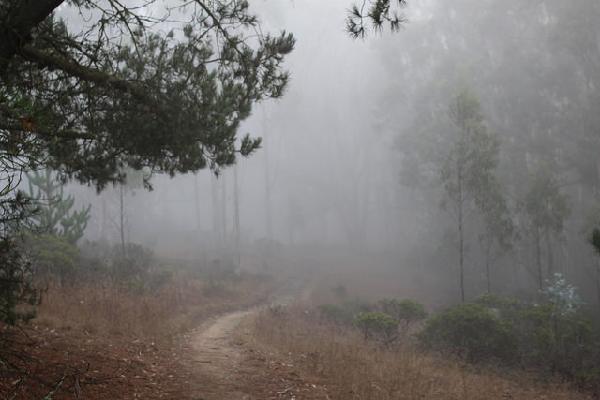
{"type": "Point", "coordinates": [299, 199]}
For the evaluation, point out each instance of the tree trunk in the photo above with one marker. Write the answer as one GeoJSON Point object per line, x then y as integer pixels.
{"type": "Point", "coordinates": [551, 270]}
{"type": "Point", "coordinates": [215, 209]}
{"type": "Point", "coordinates": [461, 238]}
{"type": "Point", "coordinates": [487, 268]}
{"type": "Point", "coordinates": [268, 218]}
{"type": "Point", "coordinates": [197, 202]}
{"type": "Point", "coordinates": [223, 216]}
{"type": "Point", "coordinates": [538, 259]}
{"type": "Point", "coordinates": [122, 218]}
{"type": "Point", "coordinates": [461, 254]}
{"type": "Point", "coordinates": [236, 214]}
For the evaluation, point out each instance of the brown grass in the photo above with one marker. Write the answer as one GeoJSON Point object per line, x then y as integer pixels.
{"type": "Point", "coordinates": [354, 369]}
{"type": "Point", "coordinates": [107, 309]}
{"type": "Point", "coordinates": [104, 341]}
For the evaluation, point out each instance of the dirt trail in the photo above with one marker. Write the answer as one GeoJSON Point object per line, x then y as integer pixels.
{"type": "Point", "coordinates": [230, 370]}
{"type": "Point", "coordinates": [219, 360]}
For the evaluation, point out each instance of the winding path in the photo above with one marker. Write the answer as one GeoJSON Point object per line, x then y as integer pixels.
{"type": "Point", "coordinates": [227, 369]}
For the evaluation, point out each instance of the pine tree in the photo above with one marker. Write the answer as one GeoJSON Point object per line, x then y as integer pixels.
{"type": "Point", "coordinates": [54, 214]}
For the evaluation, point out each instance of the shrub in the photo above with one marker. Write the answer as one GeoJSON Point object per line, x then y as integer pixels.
{"type": "Point", "coordinates": [135, 269]}
{"type": "Point", "coordinates": [502, 304]}
{"type": "Point", "coordinates": [405, 311]}
{"type": "Point", "coordinates": [561, 295]}
{"type": "Point", "coordinates": [340, 292]}
{"type": "Point", "coordinates": [471, 331]}
{"type": "Point", "coordinates": [52, 257]}
{"type": "Point", "coordinates": [556, 342]}
{"type": "Point", "coordinates": [336, 313]}
{"type": "Point", "coordinates": [18, 296]}
{"type": "Point", "coordinates": [377, 325]}
{"type": "Point", "coordinates": [344, 313]}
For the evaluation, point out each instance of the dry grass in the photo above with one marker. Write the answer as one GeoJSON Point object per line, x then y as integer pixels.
{"type": "Point", "coordinates": [354, 369]}
{"type": "Point", "coordinates": [106, 309]}
{"type": "Point", "coordinates": [105, 341]}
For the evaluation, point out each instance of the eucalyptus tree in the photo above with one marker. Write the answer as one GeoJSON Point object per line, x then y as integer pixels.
{"type": "Point", "coordinates": [467, 174]}
{"type": "Point", "coordinates": [498, 230]}
{"type": "Point", "coordinates": [546, 210]}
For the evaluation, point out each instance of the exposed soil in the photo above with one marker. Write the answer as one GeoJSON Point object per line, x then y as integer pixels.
{"type": "Point", "coordinates": [74, 364]}
{"type": "Point", "coordinates": [230, 369]}
{"type": "Point", "coordinates": [213, 362]}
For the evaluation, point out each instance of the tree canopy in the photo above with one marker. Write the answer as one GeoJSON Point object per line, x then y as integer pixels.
{"type": "Point", "coordinates": [153, 84]}
{"type": "Point", "coordinates": [374, 15]}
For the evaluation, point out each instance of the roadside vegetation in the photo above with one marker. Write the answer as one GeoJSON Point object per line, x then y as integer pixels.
{"type": "Point", "coordinates": [108, 325]}
{"type": "Point", "coordinates": [490, 348]}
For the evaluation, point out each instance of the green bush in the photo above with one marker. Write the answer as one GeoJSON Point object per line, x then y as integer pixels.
{"type": "Point", "coordinates": [337, 314]}
{"type": "Point", "coordinates": [405, 311]}
{"type": "Point", "coordinates": [135, 269]}
{"type": "Point", "coordinates": [377, 325]}
{"type": "Point", "coordinates": [553, 341]}
{"type": "Point", "coordinates": [472, 331]}
{"type": "Point", "coordinates": [18, 295]}
{"type": "Point", "coordinates": [52, 257]}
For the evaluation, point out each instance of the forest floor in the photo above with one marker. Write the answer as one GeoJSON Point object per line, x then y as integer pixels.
{"type": "Point", "coordinates": [236, 345]}
{"type": "Point", "coordinates": [231, 369]}
{"type": "Point", "coordinates": [78, 354]}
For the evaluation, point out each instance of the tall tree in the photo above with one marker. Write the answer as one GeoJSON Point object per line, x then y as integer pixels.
{"type": "Point", "coordinates": [546, 209]}
{"type": "Point", "coordinates": [498, 231]}
{"type": "Point", "coordinates": [468, 171]}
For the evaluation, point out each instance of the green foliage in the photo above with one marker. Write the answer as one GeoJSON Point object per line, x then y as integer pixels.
{"type": "Point", "coordinates": [52, 256]}
{"type": "Point", "coordinates": [374, 14]}
{"type": "Point", "coordinates": [471, 331]}
{"type": "Point", "coordinates": [337, 314]}
{"type": "Point", "coordinates": [555, 342]}
{"type": "Point", "coordinates": [131, 266]}
{"type": "Point", "coordinates": [90, 104]}
{"type": "Point", "coordinates": [405, 311]}
{"type": "Point", "coordinates": [540, 336]}
{"type": "Point", "coordinates": [502, 304]}
{"type": "Point", "coordinates": [468, 175]}
{"type": "Point", "coordinates": [136, 270]}
{"type": "Point", "coordinates": [53, 212]}
{"type": "Point", "coordinates": [473, 157]}
{"type": "Point", "coordinates": [17, 293]}
{"type": "Point", "coordinates": [345, 312]}
{"type": "Point", "coordinates": [377, 325]}
{"type": "Point", "coordinates": [544, 204]}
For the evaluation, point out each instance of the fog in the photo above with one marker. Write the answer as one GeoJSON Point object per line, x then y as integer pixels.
{"type": "Point", "coordinates": [323, 163]}
{"type": "Point", "coordinates": [316, 199]}
{"type": "Point", "coordinates": [350, 160]}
